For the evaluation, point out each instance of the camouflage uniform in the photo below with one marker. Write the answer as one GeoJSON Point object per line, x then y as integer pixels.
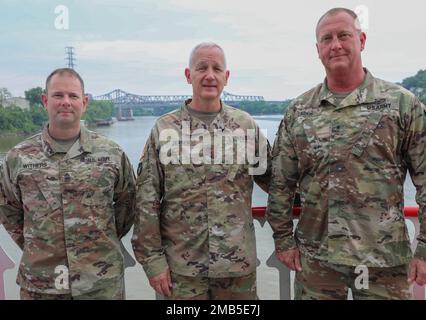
{"type": "Point", "coordinates": [320, 280]}
{"type": "Point", "coordinates": [196, 218]}
{"type": "Point", "coordinates": [350, 162]}
{"type": "Point", "coordinates": [206, 288]}
{"type": "Point", "coordinates": [68, 210]}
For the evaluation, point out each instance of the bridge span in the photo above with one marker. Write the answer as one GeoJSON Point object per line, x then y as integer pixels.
{"type": "Point", "coordinates": [125, 103]}
{"type": "Point", "coordinates": [121, 97]}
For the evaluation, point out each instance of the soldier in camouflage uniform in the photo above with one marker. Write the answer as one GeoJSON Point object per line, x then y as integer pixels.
{"type": "Point", "coordinates": [194, 232]}
{"type": "Point", "coordinates": [347, 144]}
{"type": "Point", "coordinates": [66, 198]}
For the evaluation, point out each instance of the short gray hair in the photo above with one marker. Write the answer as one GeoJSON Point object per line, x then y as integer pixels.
{"type": "Point", "coordinates": [335, 11]}
{"type": "Point", "coordinates": [203, 45]}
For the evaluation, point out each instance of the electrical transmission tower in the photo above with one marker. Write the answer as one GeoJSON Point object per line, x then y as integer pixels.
{"type": "Point", "coordinates": [70, 57]}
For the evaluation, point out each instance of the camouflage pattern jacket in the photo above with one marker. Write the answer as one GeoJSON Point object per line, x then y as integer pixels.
{"type": "Point", "coordinates": [68, 211]}
{"type": "Point", "coordinates": [196, 218]}
{"type": "Point", "coordinates": [350, 162]}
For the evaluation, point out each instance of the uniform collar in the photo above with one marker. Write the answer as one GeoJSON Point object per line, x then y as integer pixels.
{"type": "Point", "coordinates": [365, 93]}
{"type": "Point", "coordinates": [217, 123]}
{"type": "Point", "coordinates": [82, 145]}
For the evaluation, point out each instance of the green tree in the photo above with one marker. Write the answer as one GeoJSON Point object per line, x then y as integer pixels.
{"type": "Point", "coordinates": [263, 107]}
{"type": "Point", "coordinates": [417, 81]}
{"type": "Point", "coordinates": [33, 95]}
{"type": "Point", "coordinates": [98, 110]}
{"type": "Point", "coordinates": [38, 115]}
{"type": "Point", "coordinates": [15, 119]}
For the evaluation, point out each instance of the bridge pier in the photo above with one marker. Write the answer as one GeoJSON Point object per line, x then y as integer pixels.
{"type": "Point", "coordinates": [124, 113]}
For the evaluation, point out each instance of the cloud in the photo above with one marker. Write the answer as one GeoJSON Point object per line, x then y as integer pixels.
{"type": "Point", "coordinates": [143, 46]}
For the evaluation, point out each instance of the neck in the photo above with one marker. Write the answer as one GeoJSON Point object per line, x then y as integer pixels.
{"type": "Point", "coordinates": [205, 106]}
{"type": "Point", "coordinates": [344, 81]}
{"type": "Point", "coordinates": [63, 134]}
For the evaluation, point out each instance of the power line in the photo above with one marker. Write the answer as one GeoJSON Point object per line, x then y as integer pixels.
{"type": "Point", "coordinates": [70, 57]}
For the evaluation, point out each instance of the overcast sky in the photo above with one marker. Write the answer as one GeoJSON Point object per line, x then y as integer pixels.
{"type": "Point", "coordinates": [142, 46]}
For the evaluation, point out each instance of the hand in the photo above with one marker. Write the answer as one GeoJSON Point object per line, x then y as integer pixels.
{"type": "Point", "coordinates": [290, 258]}
{"type": "Point", "coordinates": [417, 272]}
{"type": "Point", "coordinates": [162, 283]}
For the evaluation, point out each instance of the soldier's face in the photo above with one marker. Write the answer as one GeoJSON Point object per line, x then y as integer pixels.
{"type": "Point", "coordinates": [339, 43]}
{"type": "Point", "coordinates": [208, 74]}
{"type": "Point", "coordinates": [64, 101]}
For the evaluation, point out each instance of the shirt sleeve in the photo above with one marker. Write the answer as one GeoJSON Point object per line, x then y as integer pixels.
{"type": "Point", "coordinates": [414, 149]}
{"type": "Point", "coordinates": [124, 198]}
{"type": "Point", "coordinates": [11, 210]}
{"type": "Point", "coordinates": [283, 187]}
{"type": "Point", "coordinates": [264, 152]}
{"type": "Point", "coordinates": [146, 239]}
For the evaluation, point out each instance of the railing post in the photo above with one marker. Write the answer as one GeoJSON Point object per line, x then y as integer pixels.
{"type": "Point", "coordinates": [273, 262]}
{"type": "Point", "coordinates": [5, 263]}
{"type": "Point", "coordinates": [283, 276]}
{"type": "Point", "coordinates": [418, 291]}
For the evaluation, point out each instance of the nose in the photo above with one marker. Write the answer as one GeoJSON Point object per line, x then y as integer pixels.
{"type": "Point", "coordinates": [335, 44]}
{"type": "Point", "coordinates": [210, 74]}
{"type": "Point", "coordinates": [66, 100]}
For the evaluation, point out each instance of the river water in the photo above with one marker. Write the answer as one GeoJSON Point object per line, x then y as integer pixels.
{"type": "Point", "coordinates": [131, 136]}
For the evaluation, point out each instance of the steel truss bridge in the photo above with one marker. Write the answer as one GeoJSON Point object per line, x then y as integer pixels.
{"type": "Point", "coordinates": [122, 98]}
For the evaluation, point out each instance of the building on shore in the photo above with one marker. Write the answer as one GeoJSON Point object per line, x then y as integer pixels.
{"type": "Point", "coordinates": [18, 102]}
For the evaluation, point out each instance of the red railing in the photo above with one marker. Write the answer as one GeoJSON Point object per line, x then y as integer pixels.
{"type": "Point", "coordinates": [259, 212]}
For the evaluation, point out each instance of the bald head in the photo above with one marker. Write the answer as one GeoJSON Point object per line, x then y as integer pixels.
{"type": "Point", "coordinates": [335, 11]}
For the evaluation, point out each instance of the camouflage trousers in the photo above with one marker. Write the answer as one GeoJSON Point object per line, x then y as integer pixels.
{"type": "Point", "coordinates": [94, 295]}
{"type": "Point", "coordinates": [205, 288]}
{"type": "Point", "coordinates": [320, 280]}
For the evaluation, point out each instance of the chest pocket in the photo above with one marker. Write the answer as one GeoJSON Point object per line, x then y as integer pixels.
{"type": "Point", "coordinates": [50, 190]}
{"type": "Point", "coordinates": [313, 141]}
{"type": "Point", "coordinates": [180, 173]}
{"type": "Point", "coordinates": [97, 184]}
{"type": "Point", "coordinates": [41, 193]}
{"type": "Point", "coordinates": [371, 124]}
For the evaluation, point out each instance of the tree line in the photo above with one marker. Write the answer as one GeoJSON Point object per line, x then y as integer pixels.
{"type": "Point", "coordinates": [13, 119]}
{"type": "Point", "coordinates": [16, 120]}
{"type": "Point", "coordinates": [417, 84]}
{"type": "Point", "coordinates": [252, 107]}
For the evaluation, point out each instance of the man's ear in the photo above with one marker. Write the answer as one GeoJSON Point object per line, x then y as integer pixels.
{"type": "Point", "coordinates": [188, 75]}
{"type": "Point", "coordinates": [363, 39]}
{"type": "Point", "coordinates": [227, 77]}
{"type": "Point", "coordinates": [85, 102]}
{"type": "Point", "coordinates": [44, 100]}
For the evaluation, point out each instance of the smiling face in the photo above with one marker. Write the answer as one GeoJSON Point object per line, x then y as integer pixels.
{"type": "Point", "coordinates": [340, 43]}
{"type": "Point", "coordinates": [64, 102]}
{"type": "Point", "coordinates": [207, 74]}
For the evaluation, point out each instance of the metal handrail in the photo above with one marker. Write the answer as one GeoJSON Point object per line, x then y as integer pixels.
{"type": "Point", "coordinates": [260, 212]}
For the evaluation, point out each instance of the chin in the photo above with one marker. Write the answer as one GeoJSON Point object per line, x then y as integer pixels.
{"type": "Point", "coordinates": [210, 96]}
{"type": "Point", "coordinates": [67, 120]}
{"type": "Point", "coordinates": [338, 67]}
